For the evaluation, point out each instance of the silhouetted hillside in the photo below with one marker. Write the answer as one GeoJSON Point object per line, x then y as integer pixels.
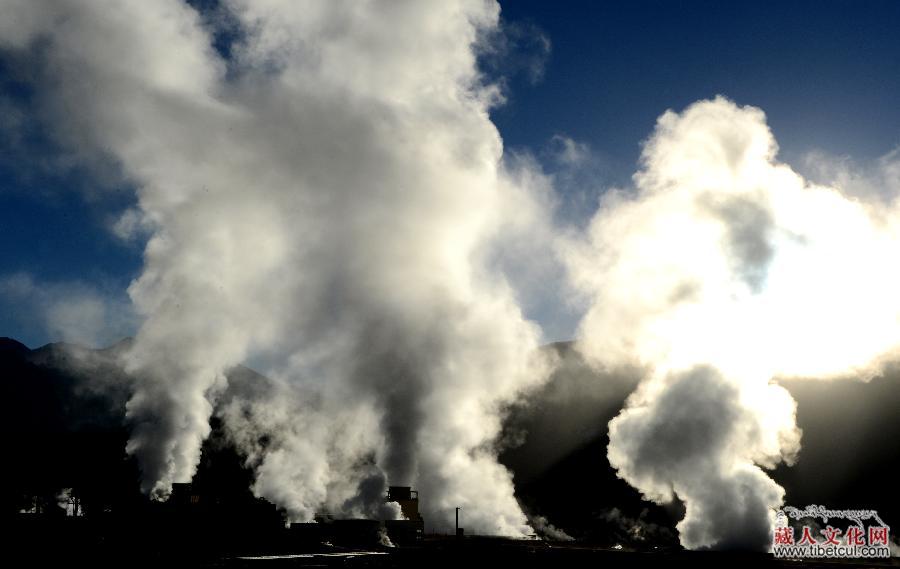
{"type": "Point", "coordinates": [849, 457]}
{"type": "Point", "coordinates": [64, 417]}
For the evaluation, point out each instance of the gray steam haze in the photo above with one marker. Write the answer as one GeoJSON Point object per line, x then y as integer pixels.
{"type": "Point", "coordinates": [332, 203]}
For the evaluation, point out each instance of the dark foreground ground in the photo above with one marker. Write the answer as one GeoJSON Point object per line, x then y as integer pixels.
{"type": "Point", "coordinates": [435, 551]}
{"type": "Point", "coordinates": [505, 553]}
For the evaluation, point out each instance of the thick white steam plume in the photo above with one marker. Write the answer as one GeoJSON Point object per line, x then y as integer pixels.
{"type": "Point", "coordinates": [723, 271]}
{"type": "Point", "coordinates": [326, 200]}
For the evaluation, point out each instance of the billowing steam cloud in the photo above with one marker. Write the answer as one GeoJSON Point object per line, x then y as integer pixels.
{"type": "Point", "coordinates": [723, 271]}
{"type": "Point", "coordinates": [324, 194]}
{"type": "Point", "coordinates": [326, 200]}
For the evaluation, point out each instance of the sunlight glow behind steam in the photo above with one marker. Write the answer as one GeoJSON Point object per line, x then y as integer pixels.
{"type": "Point", "coordinates": [722, 271]}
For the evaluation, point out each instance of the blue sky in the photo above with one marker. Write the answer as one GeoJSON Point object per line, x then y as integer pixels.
{"type": "Point", "coordinates": [826, 73]}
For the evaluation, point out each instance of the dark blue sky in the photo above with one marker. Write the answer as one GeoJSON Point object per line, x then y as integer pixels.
{"type": "Point", "coordinates": [826, 73]}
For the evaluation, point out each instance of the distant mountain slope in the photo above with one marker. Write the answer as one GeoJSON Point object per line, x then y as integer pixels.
{"type": "Point", "coordinates": [560, 464]}
{"type": "Point", "coordinates": [850, 455]}
{"type": "Point", "coordinates": [63, 418]}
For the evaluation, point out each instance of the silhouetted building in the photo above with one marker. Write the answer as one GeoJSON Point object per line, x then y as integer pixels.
{"type": "Point", "coordinates": [184, 495]}
{"type": "Point", "coordinates": [411, 529]}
